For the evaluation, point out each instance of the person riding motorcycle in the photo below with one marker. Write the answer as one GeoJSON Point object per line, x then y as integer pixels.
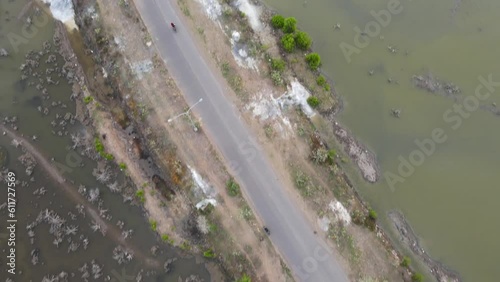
{"type": "Point", "coordinates": [173, 25]}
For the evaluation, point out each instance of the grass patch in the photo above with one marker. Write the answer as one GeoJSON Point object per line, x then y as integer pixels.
{"type": "Point", "coordinates": [233, 188]}
{"type": "Point", "coordinates": [246, 212]}
{"type": "Point", "coordinates": [88, 99]}
{"type": "Point", "coordinates": [122, 166]}
{"type": "Point", "coordinates": [140, 195]}
{"type": "Point", "coordinates": [268, 129]}
{"type": "Point", "coordinates": [303, 183]}
{"type": "Point", "coordinates": [232, 77]}
{"type": "Point", "coordinates": [244, 278]}
{"type": "Point", "coordinates": [185, 246]}
{"type": "Point", "coordinates": [153, 224]}
{"type": "Point", "coordinates": [209, 253]}
{"type": "Point", "coordinates": [345, 242]}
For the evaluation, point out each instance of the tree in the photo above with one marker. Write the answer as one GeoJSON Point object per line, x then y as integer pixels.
{"type": "Point", "coordinates": [417, 277]}
{"type": "Point", "coordinates": [289, 25]}
{"type": "Point", "coordinates": [313, 101]}
{"type": "Point", "coordinates": [313, 60]}
{"type": "Point", "coordinates": [321, 81]}
{"type": "Point", "coordinates": [303, 40]}
{"type": "Point", "coordinates": [406, 262]}
{"type": "Point", "coordinates": [288, 43]}
{"type": "Point", "coordinates": [277, 21]}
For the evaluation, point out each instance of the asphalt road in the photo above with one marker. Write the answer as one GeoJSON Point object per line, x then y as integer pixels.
{"type": "Point", "coordinates": [306, 254]}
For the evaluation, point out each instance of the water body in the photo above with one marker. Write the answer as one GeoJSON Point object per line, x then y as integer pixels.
{"type": "Point", "coordinates": [21, 99]}
{"type": "Point", "coordinates": [451, 197]}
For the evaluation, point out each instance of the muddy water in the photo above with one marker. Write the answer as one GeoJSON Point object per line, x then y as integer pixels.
{"type": "Point", "coordinates": [451, 198]}
{"type": "Point", "coordinates": [19, 98]}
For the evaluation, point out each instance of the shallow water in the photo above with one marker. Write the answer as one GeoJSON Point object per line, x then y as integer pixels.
{"type": "Point", "coordinates": [450, 199]}
{"type": "Point", "coordinates": [21, 100]}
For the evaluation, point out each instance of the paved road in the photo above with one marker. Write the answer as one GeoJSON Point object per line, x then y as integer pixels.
{"type": "Point", "coordinates": [305, 253]}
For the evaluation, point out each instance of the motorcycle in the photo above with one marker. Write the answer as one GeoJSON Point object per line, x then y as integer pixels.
{"type": "Point", "coordinates": [173, 27]}
{"type": "Point", "coordinates": [268, 232]}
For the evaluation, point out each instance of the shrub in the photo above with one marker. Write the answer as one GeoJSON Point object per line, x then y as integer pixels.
{"type": "Point", "coordinates": [233, 188]}
{"type": "Point", "coordinates": [313, 60]}
{"type": "Point", "coordinates": [303, 40]}
{"type": "Point", "coordinates": [277, 78]}
{"type": "Point", "coordinates": [140, 194]}
{"type": "Point", "coordinates": [288, 43]}
{"type": "Point", "coordinates": [327, 87]}
{"type": "Point", "coordinates": [107, 156]}
{"type": "Point", "coordinates": [277, 21]}
{"type": "Point", "coordinates": [406, 262]}
{"type": "Point", "coordinates": [122, 166]}
{"type": "Point", "coordinates": [244, 278]}
{"type": "Point", "coordinates": [165, 237]}
{"type": "Point", "coordinates": [313, 101]}
{"type": "Point", "coordinates": [321, 81]}
{"type": "Point", "coordinates": [331, 155]}
{"type": "Point", "coordinates": [417, 277]}
{"type": "Point", "coordinates": [289, 25]}
{"type": "Point", "coordinates": [209, 254]}
{"type": "Point", "coordinates": [99, 147]}
{"type": "Point", "coordinates": [153, 224]}
{"type": "Point", "coordinates": [278, 65]}
{"type": "Point", "coordinates": [185, 246]}
{"type": "Point", "coordinates": [372, 214]}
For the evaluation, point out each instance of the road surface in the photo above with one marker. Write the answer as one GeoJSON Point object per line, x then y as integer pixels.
{"type": "Point", "coordinates": [305, 253]}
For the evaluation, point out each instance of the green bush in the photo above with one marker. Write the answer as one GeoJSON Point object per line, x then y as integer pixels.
{"type": "Point", "coordinates": [288, 43]}
{"type": "Point", "coordinates": [99, 147]}
{"type": "Point", "coordinates": [185, 246]}
{"type": "Point", "coordinates": [303, 40]}
{"type": "Point", "coordinates": [122, 166]}
{"type": "Point", "coordinates": [321, 81]}
{"type": "Point", "coordinates": [313, 101]}
{"type": "Point", "coordinates": [313, 60]}
{"type": "Point", "coordinates": [140, 194]}
{"type": "Point", "coordinates": [372, 214]}
{"type": "Point", "coordinates": [88, 99]}
{"type": "Point", "coordinates": [327, 87]}
{"type": "Point", "coordinates": [153, 224]}
{"type": "Point", "coordinates": [233, 188]}
{"type": "Point", "coordinates": [107, 156]}
{"type": "Point", "coordinates": [406, 262]}
{"type": "Point", "coordinates": [244, 278]}
{"type": "Point", "coordinates": [289, 25]}
{"type": "Point", "coordinates": [209, 254]}
{"type": "Point", "coordinates": [331, 155]}
{"type": "Point", "coordinates": [277, 21]}
{"type": "Point", "coordinates": [278, 65]}
{"type": "Point", "coordinates": [417, 277]}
